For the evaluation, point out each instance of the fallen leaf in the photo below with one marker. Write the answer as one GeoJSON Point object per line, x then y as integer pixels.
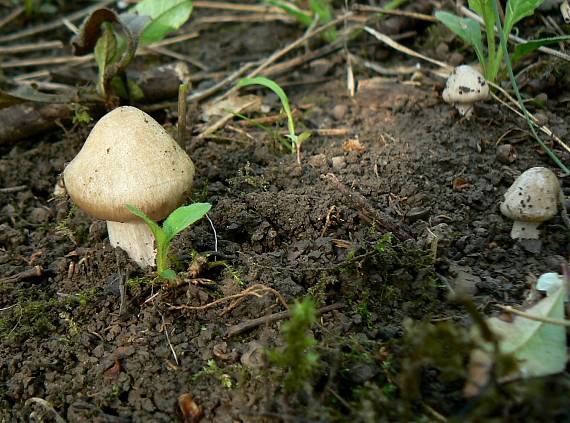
{"type": "Point", "coordinates": [538, 347]}
{"type": "Point", "coordinates": [353, 145]}
{"type": "Point", "coordinates": [191, 412]}
{"type": "Point", "coordinates": [459, 184]}
{"type": "Point", "coordinates": [237, 104]}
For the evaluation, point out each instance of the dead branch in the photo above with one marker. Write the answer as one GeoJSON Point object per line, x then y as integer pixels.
{"type": "Point", "coordinates": [253, 323]}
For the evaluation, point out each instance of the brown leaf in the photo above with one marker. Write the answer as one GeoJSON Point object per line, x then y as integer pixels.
{"type": "Point", "coordinates": [191, 412]}
{"type": "Point", "coordinates": [114, 371]}
{"type": "Point", "coordinates": [353, 145]}
{"type": "Point", "coordinates": [459, 184]}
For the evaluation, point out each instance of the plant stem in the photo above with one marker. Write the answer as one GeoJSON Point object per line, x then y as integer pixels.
{"type": "Point", "coordinates": [182, 106]}
{"type": "Point", "coordinates": [505, 52]}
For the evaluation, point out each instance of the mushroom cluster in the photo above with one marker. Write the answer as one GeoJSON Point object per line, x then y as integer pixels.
{"type": "Point", "coordinates": [129, 158]}
{"type": "Point", "coordinates": [531, 200]}
{"type": "Point", "coordinates": [465, 86]}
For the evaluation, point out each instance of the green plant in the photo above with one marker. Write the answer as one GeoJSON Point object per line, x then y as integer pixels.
{"type": "Point", "coordinates": [470, 31]}
{"type": "Point", "coordinates": [178, 220]}
{"type": "Point", "coordinates": [297, 358]}
{"type": "Point", "coordinates": [114, 39]}
{"type": "Point", "coordinates": [320, 11]}
{"type": "Point", "coordinates": [296, 140]}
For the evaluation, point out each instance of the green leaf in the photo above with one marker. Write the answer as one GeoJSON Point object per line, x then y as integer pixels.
{"type": "Point", "coordinates": [293, 10]}
{"type": "Point", "coordinates": [183, 217]}
{"type": "Point", "coordinates": [539, 347]}
{"type": "Point", "coordinates": [467, 29]}
{"type": "Point", "coordinates": [273, 86]}
{"type": "Point", "coordinates": [167, 16]}
{"type": "Point", "coordinates": [159, 234]}
{"type": "Point", "coordinates": [168, 274]}
{"type": "Point", "coordinates": [517, 10]}
{"type": "Point", "coordinates": [105, 54]}
{"type": "Point", "coordinates": [528, 47]}
{"type": "Point", "coordinates": [484, 8]}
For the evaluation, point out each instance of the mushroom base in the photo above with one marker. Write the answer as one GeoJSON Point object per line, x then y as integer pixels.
{"type": "Point", "coordinates": [525, 230]}
{"type": "Point", "coordinates": [465, 109]}
{"type": "Point", "coordinates": [136, 239]}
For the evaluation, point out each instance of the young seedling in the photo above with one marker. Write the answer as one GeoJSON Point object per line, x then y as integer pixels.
{"type": "Point", "coordinates": [296, 140]}
{"type": "Point", "coordinates": [114, 39]}
{"type": "Point", "coordinates": [298, 358]}
{"type": "Point", "coordinates": [178, 220]}
{"type": "Point", "coordinates": [321, 11]}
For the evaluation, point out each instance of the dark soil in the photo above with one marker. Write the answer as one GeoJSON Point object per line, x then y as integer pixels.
{"type": "Point", "coordinates": [397, 348]}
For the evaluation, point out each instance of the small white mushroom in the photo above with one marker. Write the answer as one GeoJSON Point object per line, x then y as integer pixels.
{"type": "Point", "coordinates": [465, 86]}
{"type": "Point", "coordinates": [129, 158]}
{"type": "Point", "coordinates": [531, 200]}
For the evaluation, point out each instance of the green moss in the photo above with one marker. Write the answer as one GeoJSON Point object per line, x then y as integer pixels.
{"type": "Point", "coordinates": [41, 317]}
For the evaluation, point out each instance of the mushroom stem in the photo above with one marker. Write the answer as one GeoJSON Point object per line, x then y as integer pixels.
{"type": "Point", "coordinates": [525, 230]}
{"type": "Point", "coordinates": [465, 109]}
{"type": "Point", "coordinates": [135, 238]}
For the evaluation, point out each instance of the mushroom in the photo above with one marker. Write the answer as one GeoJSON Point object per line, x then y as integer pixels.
{"type": "Point", "coordinates": [129, 158]}
{"type": "Point", "coordinates": [465, 86]}
{"type": "Point", "coordinates": [531, 200]}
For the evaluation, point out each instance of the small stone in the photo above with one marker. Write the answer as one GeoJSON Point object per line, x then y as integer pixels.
{"type": "Point", "coordinates": [317, 161]}
{"type": "Point", "coordinates": [254, 356]}
{"type": "Point", "coordinates": [339, 111]}
{"type": "Point", "coordinates": [39, 215]}
{"type": "Point", "coordinates": [442, 50]}
{"type": "Point", "coordinates": [541, 118]}
{"type": "Point", "coordinates": [417, 213]}
{"type": "Point", "coordinates": [506, 153]}
{"type": "Point", "coordinates": [338, 162]}
{"type": "Point", "coordinates": [456, 58]}
{"type": "Point", "coordinates": [466, 283]}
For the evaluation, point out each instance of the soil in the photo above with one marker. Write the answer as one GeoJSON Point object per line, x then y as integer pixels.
{"type": "Point", "coordinates": [100, 340]}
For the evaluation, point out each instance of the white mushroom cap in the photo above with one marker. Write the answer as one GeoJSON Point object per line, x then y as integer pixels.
{"type": "Point", "coordinates": [531, 200]}
{"type": "Point", "coordinates": [129, 158]}
{"type": "Point", "coordinates": [465, 86]}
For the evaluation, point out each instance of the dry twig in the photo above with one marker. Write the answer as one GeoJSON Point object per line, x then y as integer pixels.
{"type": "Point", "coordinates": [253, 323]}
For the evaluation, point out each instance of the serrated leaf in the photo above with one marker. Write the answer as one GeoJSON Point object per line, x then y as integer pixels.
{"type": "Point", "coordinates": [183, 217]}
{"type": "Point", "coordinates": [166, 16]}
{"type": "Point", "coordinates": [522, 50]}
{"type": "Point", "coordinates": [467, 29]}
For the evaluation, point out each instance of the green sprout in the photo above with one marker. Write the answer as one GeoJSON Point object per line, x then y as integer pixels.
{"type": "Point", "coordinates": [296, 140]}
{"type": "Point", "coordinates": [298, 359]}
{"type": "Point", "coordinates": [469, 30]}
{"type": "Point", "coordinates": [114, 38]}
{"type": "Point", "coordinates": [178, 220]}
{"type": "Point", "coordinates": [321, 11]}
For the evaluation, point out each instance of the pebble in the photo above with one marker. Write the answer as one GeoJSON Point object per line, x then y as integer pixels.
{"type": "Point", "coordinates": [506, 153]}
{"type": "Point", "coordinates": [339, 111]}
{"type": "Point", "coordinates": [39, 215]}
{"type": "Point", "coordinates": [338, 162]}
{"type": "Point", "coordinates": [317, 161]}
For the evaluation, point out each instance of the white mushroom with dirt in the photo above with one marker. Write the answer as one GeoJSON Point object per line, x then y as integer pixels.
{"type": "Point", "coordinates": [465, 86]}
{"type": "Point", "coordinates": [129, 158]}
{"type": "Point", "coordinates": [531, 200]}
